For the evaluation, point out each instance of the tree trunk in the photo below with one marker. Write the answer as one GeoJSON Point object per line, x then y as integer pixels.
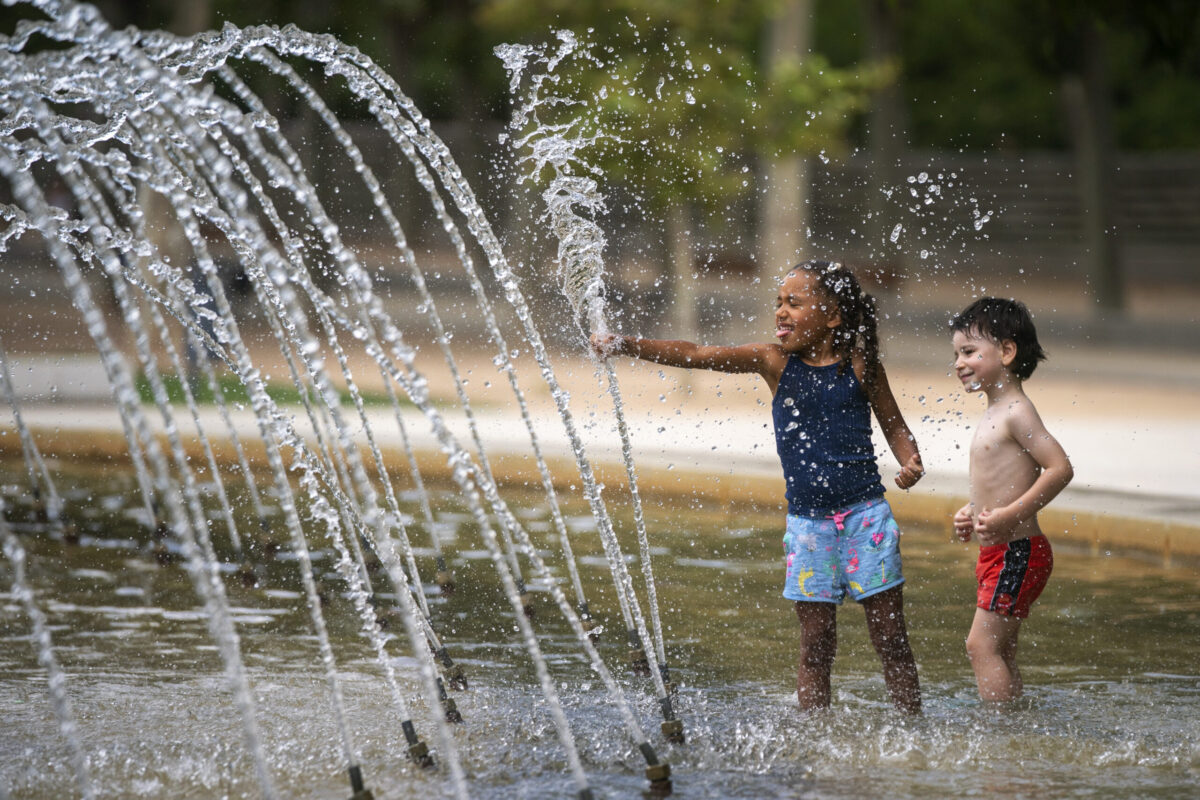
{"type": "Point", "coordinates": [192, 16]}
{"type": "Point", "coordinates": [887, 142]}
{"type": "Point", "coordinates": [684, 319]}
{"type": "Point", "coordinates": [1087, 98]}
{"type": "Point", "coordinates": [785, 204]}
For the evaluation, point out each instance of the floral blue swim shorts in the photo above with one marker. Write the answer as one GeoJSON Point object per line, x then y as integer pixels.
{"type": "Point", "coordinates": [855, 551]}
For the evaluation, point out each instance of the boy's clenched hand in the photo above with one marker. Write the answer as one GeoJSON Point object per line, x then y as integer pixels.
{"type": "Point", "coordinates": [964, 525]}
{"type": "Point", "coordinates": [995, 525]}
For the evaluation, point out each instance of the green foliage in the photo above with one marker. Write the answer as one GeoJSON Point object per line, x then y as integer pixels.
{"type": "Point", "coordinates": [960, 98]}
{"type": "Point", "coordinates": [436, 51]}
{"type": "Point", "coordinates": [974, 74]}
{"type": "Point", "coordinates": [989, 74]}
{"type": "Point", "coordinates": [679, 97]}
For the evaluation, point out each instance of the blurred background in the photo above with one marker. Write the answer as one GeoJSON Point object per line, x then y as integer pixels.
{"type": "Point", "coordinates": [1042, 149]}
{"type": "Point", "coordinates": [1047, 150]}
{"type": "Point", "coordinates": [1037, 148]}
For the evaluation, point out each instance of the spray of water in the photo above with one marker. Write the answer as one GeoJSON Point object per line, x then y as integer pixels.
{"type": "Point", "coordinates": [161, 147]}
{"type": "Point", "coordinates": [559, 153]}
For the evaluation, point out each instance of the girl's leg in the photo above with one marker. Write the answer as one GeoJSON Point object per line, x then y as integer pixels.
{"type": "Point", "coordinates": [818, 645]}
{"type": "Point", "coordinates": [992, 648]}
{"type": "Point", "coordinates": [889, 634]}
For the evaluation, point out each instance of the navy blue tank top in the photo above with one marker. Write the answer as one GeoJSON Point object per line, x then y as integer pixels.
{"type": "Point", "coordinates": [823, 436]}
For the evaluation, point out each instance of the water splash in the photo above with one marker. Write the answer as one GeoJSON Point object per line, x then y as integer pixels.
{"type": "Point", "coordinates": [557, 154]}
{"type": "Point", "coordinates": [573, 201]}
{"type": "Point", "coordinates": [175, 158]}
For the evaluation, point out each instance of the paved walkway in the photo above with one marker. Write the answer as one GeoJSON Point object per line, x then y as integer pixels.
{"type": "Point", "coordinates": [1129, 420]}
{"type": "Point", "coordinates": [1122, 396]}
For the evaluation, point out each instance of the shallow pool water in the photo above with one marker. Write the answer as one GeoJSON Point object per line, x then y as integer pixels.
{"type": "Point", "coordinates": [1109, 659]}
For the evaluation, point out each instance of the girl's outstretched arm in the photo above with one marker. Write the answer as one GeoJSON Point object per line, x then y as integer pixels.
{"type": "Point", "coordinates": [895, 430]}
{"type": "Point", "coordinates": [767, 360]}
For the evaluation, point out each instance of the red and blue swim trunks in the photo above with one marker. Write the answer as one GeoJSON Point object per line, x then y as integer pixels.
{"type": "Point", "coordinates": [1013, 574]}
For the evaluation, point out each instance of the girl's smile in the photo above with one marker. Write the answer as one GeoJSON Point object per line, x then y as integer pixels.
{"type": "Point", "coordinates": [803, 320]}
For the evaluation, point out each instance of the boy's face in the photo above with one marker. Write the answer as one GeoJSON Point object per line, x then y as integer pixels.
{"type": "Point", "coordinates": [802, 314]}
{"type": "Point", "coordinates": [980, 362]}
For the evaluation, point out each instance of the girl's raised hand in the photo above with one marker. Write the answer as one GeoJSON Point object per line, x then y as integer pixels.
{"type": "Point", "coordinates": [606, 344]}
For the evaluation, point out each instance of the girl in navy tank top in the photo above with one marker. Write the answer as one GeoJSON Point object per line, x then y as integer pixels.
{"type": "Point", "coordinates": [826, 379]}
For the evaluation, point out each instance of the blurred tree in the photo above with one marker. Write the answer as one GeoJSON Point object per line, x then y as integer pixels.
{"type": "Point", "coordinates": [691, 81]}
{"type": "Point", "coordinates": [440, 55]}
{"type": "Point", "coordinates": [974, 76]}
{"type": "Point", "coordinates": [1080, 43]}
{"type": "Point", "coordinates": [1095, 76]}
{"type": "Point", "coordinates": [887, 134]}
{"type": "Point", "coordinates": [1082, 47]}
{"type": "Point", "coordinates": [690, 100]}
{"type": "Point", "coordinates": [989, 75]}
{"type": "Point", "coordinates": [785, 197]}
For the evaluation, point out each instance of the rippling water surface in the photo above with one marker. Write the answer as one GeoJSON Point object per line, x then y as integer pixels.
{"type": "Point", "coordinates": [1109, 659]}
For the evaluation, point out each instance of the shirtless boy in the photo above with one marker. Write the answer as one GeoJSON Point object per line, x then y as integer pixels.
{"type": "Point", "coordinates": [1017, 467]}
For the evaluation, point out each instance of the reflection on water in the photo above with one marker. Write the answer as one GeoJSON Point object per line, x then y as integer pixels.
{"type": "Point", "coordinates": [1109, 659]}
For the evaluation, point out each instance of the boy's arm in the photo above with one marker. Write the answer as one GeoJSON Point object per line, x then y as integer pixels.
{"type": "Point", "coordinates": [765, 359]}
{"type": "Point", "coordinates": [899, 438]}
{"type": "Point", "coordinates": [1025, 426]}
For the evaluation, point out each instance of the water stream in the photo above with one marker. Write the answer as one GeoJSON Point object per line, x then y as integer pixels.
{"type": "Point", "coordinates": [169, 158]}
{"type": "Point", "coordinates": [253, 601]}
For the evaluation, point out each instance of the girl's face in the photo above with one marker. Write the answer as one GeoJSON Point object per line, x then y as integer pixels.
{"type": "Point", "coordinates": [803, 316]}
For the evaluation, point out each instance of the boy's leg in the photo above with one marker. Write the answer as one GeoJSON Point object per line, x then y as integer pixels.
{"type": "Point", "coordinates": [889, 634]}
{"type": "Point", "coordinates": [818, 645]}
{"type": "Point", "coordinates": [992, 649]}
{"type": "Point", "coordinates": [1009, 654]}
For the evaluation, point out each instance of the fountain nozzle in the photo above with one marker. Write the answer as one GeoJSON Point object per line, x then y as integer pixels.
{"type": "Point", "coordinates": [672, 726]}
{"type": "Point", "coordinates": [671, 688]}
{"type": "Point", "coordinates": [356, 785]}
{"type": "Point", "coordinates": [454, 672]}
{"type": "Point", "coordinates": [526, 601]}
{"type": "Point", "coordinates": [162, 554]}
{"type": "Point", "coordinates": [418, 751]}
{"type": "Point", "coordinates": [449, 707]}
{"type": "Point", "coordinates": [637, 655]}
{"type": "Point", "coordinates": [419, 754]}
{"type": "Point", "coordinates": [70, 533]}
{"type": "Point", "coordinates": [458, 681]}
{"type": "Point", "coordinates": [588, 623]}
{"type": "Point", "coordinates": [247, 575]}
{"type": "Point", "coordinates": [657, 772]}
{"type": "Point", "coordinates": [445, 578]}
{"type": "Point", "coordinates": [40, 512]}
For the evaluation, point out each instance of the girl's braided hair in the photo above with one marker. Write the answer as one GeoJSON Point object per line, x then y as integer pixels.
{"type": "Point", "coordinates": [859, 328]}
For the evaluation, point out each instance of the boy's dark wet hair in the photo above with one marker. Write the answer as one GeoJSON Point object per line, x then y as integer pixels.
{"type": "Point", "coordinates": [999, 320]}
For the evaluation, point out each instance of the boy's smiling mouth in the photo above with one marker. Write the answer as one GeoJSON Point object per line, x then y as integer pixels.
{"type": "Point", "coordinates": [782, 330]}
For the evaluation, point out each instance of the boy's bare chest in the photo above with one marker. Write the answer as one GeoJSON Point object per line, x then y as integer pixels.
{"type": "Point", "coordinates": [992, 442]}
